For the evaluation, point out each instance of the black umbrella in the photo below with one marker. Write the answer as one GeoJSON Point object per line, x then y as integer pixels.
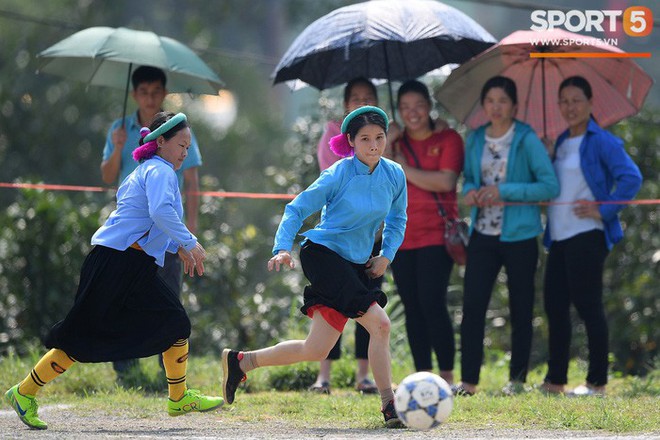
{"type": "Point", "coordinates": [392, 40]}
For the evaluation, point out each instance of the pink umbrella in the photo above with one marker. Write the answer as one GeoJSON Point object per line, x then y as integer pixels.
{"type": "Point", "coordinates": [619, 85]}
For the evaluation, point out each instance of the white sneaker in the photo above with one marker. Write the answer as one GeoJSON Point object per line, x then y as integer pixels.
{"type": "Point", "coordinates": [585, 391]}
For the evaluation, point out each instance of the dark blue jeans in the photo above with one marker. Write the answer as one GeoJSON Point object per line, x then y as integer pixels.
{"type": "Point", "coordinates": [486, 255]}
{"type": "Point", "coordinates": [574, 275]}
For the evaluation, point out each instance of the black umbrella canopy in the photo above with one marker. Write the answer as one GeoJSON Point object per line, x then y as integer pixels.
{"type": "Point", "coordinates": [393, 40]}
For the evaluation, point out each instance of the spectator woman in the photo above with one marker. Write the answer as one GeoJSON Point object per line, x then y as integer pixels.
{"type": "Point", "coordinates": [592, 166]}
{"type": "Point", "coordinates": [432, 161]}
{"type": "Point", "coordinates": [507, 170]}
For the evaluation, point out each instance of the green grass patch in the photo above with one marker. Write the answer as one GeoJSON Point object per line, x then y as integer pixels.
{"type": "Point", "coordinates": [272, 395]}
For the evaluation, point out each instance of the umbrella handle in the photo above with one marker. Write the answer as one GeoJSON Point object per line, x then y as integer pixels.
{"type": "Point", "coordinates": [389, 86]}
{"type": "Point", "coordinates": [128, 82]}
{"type": "Point", "coordinates": [545, 135]}
{"type": "Point", "coordinates": [389, 82]}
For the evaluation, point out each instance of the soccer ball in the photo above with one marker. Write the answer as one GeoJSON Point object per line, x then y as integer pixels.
{"type": "Point", "coordinates": [423, 400]}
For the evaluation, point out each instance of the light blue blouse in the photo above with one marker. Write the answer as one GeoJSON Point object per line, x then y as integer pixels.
{"type": "Point", "coordinates": [149, 211]}
{"type": "Point", "coordinates": [353, 205]}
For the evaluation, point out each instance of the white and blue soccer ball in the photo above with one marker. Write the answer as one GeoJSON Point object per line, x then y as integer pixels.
{"type": "Point", "coordinates": [423, 400]}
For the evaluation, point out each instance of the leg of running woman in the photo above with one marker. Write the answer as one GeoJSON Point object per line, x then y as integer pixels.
{"type": "Point", "coordinates": [320, 340]}
{"type": "Point", "coordinates": [377, 324]}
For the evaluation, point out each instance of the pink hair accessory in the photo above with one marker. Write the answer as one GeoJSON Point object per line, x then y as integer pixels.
{"type": "Point", "coordinates": [145, 151]}
{"type": "Point", "coordinates": [340, 146]}
{"type": "Point", "coordinates": [144, 131]}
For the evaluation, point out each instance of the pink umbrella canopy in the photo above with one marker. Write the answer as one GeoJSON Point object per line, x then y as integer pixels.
{"type": "Point", "coordinates": [619, 85]}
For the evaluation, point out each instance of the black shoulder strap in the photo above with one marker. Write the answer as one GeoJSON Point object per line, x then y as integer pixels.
{"type": "Point", "coordinates": [441, 210]}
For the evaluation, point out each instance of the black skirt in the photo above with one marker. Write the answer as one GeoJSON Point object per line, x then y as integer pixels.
{"type": "Point", "coordinates": [337, 283]}
{"type": "Point", "coordinates": [122, 310]}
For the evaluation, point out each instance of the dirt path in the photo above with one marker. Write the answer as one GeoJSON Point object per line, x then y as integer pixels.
{"type": "Point", "coordinates": [66, 424]}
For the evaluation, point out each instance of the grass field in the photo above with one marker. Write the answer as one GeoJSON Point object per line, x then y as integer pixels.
{"type": "Point", "coordinates": [631, 406]}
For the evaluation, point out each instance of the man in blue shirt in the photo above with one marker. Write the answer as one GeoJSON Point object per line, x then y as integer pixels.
{"type": "Point", "coordinates": [149, 92]}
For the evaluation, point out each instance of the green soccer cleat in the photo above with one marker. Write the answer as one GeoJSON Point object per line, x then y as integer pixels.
{"type": "Point", "coordinates": [192, 400]}
{"type": "Point", "coordinates": [26, 407]}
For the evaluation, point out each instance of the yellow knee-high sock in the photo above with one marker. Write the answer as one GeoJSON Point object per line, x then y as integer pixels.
{"type": "Point", "coordinates": [51, 365]}
{"type": "Point", "coordinates": [175, 360]}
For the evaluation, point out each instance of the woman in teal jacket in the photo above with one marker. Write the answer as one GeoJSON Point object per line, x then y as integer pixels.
{"type": "Point", "coordinates": [505, 162]}
{"type": "Point", "coordinates": [592, 165]}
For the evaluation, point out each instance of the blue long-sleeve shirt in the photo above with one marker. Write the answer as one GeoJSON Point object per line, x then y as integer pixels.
{"type": "Point", "coordinates": [149, 212]}
{"type": "Point", "coordinates": [353, 205]}
{"type": "Point", "coordinates": [610, 173]}
{"type": "Point", "coordinates": [530, 177]}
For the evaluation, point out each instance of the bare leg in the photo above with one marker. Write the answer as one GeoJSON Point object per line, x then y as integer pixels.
{"type": "Point", "coordinates": [320, 340]}
{"type": "Point", "coordinates": [377, 324]}
{"type": "Point", "coordinates": [448, 376]}
{"type": "Point", "coordinates": [469, 387]}
{"type": "Point", "coordinates": [363, 370]}
{"type": "Point", "coordinates": [324, 371]}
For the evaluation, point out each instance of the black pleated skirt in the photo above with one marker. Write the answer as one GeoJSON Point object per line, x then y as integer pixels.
{"type": "Point", "coordinates": [337, 282]}
{"type": "Point", "coordinates": [122, 310]}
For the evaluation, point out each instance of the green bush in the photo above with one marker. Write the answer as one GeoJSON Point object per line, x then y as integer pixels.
{"type": "Point", "coordinates": [44, 237]}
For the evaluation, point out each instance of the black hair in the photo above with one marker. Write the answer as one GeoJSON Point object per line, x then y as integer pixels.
{"type": "Point", "coordinates": [579, 82]}
{"type": "Point", "coordinates": [162, 117]}
{"type": "Point", "coordinates": [355, 81]}
{"type": "Point", "coordinates": [363, 120]}
{"type": "Point", "coordinates": [503, 83]}
{"type": "Point", "coordinates": [413, 86]}
{"type": "Point", "coordinates": [147, 74]}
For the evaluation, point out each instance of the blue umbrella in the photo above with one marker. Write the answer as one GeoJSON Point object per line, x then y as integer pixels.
{"type": "Point", "coordinates": [392, 40]}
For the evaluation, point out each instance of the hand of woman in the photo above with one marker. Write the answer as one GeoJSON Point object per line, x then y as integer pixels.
{"type": "Point", "coordinates": [193, 259]}
{"type": "Point", "coordinates": [586, 209]}
{"type": "Point", "coordinates": [397, 155]}
{"type": "Point", "coordinates": [394, 132]}
{"type": "Point", "coordinates": [376, 266]}
{"type": "Point", "coordinates": [282, 258]}
{"type": "Point", "coordinates": [470, 198]}
{"type": "Point", "coordinates": [393, 135]}
{"type": "Point", "coordinates": [488, 195]}
{"type": "Point", "coordinates": [200, 255]}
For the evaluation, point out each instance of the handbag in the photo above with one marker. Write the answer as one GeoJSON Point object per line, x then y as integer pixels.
{"type": "Point", "coordinates": [456, 230]}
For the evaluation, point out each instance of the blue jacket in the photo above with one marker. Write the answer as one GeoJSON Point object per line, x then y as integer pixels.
{"type": "Point", "coordinates": [353, 204]}
{"type": "Point", "coordinates": [530, 177]}
{"type": "Point", "coordinates": [610, 173]}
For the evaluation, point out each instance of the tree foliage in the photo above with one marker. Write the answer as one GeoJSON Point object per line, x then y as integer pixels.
{"type": "Point", "coordinates": [53, 130]}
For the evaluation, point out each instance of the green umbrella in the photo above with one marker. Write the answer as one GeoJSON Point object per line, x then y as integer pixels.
{"type": "Point", "coordinates": [106, 56]}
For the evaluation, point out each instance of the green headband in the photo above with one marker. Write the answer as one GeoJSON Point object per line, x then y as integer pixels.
{"type": "Point", "coordinates": [361, 110]}
{"type": "Point", "coordinates": [167, 126]}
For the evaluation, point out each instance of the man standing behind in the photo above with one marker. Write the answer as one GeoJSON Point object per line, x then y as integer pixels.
{"type": "Point", "coordinates": [149, 92]}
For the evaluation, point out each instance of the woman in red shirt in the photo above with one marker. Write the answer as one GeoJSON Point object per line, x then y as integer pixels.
{"type": "Point", "coordinates": [432, 161]}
